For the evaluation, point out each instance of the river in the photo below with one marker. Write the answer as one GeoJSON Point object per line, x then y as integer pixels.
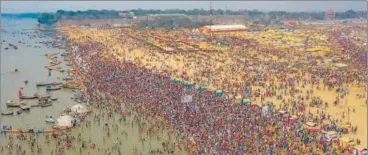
{"type": "Point", "coordinates": [30, 62]}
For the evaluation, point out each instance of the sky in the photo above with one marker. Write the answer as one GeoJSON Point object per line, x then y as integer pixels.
{"type": "Point", "coordinates": [294, 6]}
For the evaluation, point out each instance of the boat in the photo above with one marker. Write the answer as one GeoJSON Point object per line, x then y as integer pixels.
{"type": "Point", "coordinates": [43, 101]}
{"type": "Point", "coordinates": [35, 96]}
{"type": "Point", "coordinates": [8, 113]}
{"type": "Point", "coordinates": [53, 98]}
{"type": "Point", "coordinates": [50, 120]}
{"type": "Point", "coordinates": [54, 63]}
{"type": "Point", "coordinates": [68, 78]}
{"type": "Point", "coordinates": [70, 87]}
{"type": "Point", "coordinates": [64, 54]}
{"type": "Point", "coordinates": [47, 83]}
{"type": "Point", "coordinates": [46, 104]}
{"type": "Point", "coordinates": [25, 107]}
{"type": "Point", "coordinates": [57, 87]}
{"type": "Point", "coordinates": [66, 58]}
{"type": "Point", "coordinates": [52, 54]}
{"type": "Point", "coordinates": [28, 97]}
{"type": "Point", "coordinates": [11, 103]}
{"type": "Point", "coordinates": [70, 70]}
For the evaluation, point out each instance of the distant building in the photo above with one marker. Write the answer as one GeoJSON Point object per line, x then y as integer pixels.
{"type": "Point", "coordinates": [157, 16]}
{"type": "Point", "coordinates": [168, 15]}
{"type": "Point", "coordinates": [222, 28]}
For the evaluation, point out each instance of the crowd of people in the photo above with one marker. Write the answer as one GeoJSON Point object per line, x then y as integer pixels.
{"type": "Point", "coordinates": [210, 124]}
{"type": "Point", "coordinates": [129, 82]}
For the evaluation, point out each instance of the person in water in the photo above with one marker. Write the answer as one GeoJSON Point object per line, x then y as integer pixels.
{"type": "Point", "coordinates": [16, 70]}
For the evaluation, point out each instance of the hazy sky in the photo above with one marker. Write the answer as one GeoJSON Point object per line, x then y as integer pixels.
{"type": "Point", "coordinates": [52, 6]}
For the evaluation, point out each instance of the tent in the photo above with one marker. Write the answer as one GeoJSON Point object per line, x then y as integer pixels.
{"type": "Point", "coordinates": [79, 108]}
{"type": "Point", "coordinates": [65, 121]}
{"type": "Point", "coordinates": [186, 99]}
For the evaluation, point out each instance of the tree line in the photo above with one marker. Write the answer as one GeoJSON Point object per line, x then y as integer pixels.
{"type": "Point", "coordinates": [20, 15]}
{"type": "Point", "coordinates": [171, 23]}
{"type": "Point", "coordinates": [51, 18]}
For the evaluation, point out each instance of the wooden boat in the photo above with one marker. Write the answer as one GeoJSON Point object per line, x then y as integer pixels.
{"type": "Point", "coordinates": [46, 104]}
{"type": "Point", "coordinates": [8, 113]}
{"type": "Point", "coordinates": [43, 101]}
{"type": "Point", "coordinates": [64, 54]}
{"type": "Point", "coordinates": [44, 97]}
{"type": "Point", "coordinates": [28, 97]}
{"type": "Point", "coordinates": [71, 87]}
{"type": "Point", "coordinates": [49, 120]}
{"type": "Point", "coordinates": [51, 58]}
{"type": "Point", "coordinates": [68, 78]}
{"type": "Point", "coordinates": [54, 63]}
{"type": "Point", "coordinates": [15, 131]}
{"type": "Point", "coordinates": [25, 106]}
{"type": "Point", "coordinates": [66, 58]}
{"type": "Point", "coordinates": [50, 131]}
{"type": "Point", "coordinates": [11, 103]}
{"type": "Point", "coordinates": [47, 83]}
{"type": "Point", "coordinates": [70, 70]}
{"type": "Point", "coordinates": [52, 54]}
{"type": "Point", "coordinates": [53, 88]}
{"type": "Point", "coordinates": [35, 96]}
{"type": "Point", "coordinates": [55, 68]}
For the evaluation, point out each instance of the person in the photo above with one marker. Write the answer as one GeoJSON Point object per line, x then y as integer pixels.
{"type": "Point", "coordinates": [16, 70]}
{"type": "Point", "coordinates": [26, 81]}
{"type": "Point", "coordinates": [20, 92]}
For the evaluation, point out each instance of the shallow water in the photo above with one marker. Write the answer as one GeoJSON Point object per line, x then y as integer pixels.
{"type": "Point", "coordinates": [30, 62]}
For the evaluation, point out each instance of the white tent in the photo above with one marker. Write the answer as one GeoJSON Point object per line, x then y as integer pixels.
{"type": "Point", "coordinates": [79, 108]}
{"type": "Point", "coordinates": [225, 27]}
{"type": "Point", "coordinates": [186, 98]}
{"type": "Point", "coordinates": [65, 121]}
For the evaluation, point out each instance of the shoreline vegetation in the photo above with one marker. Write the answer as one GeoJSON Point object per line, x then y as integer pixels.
{"type": "Point", "coordinates": [169, 18]}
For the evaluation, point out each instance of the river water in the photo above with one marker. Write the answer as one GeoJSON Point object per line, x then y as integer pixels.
{"type": "Point", "coordinates": [30, 62]}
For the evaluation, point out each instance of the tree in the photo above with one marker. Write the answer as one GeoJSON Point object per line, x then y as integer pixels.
{"type": "Point", "coordinates": [48, 18]}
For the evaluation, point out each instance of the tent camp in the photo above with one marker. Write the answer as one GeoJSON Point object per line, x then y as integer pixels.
{"type": "Point", "coordinates": [65, 121]}
{"type": "Point", "coordinates": [79, 108]}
